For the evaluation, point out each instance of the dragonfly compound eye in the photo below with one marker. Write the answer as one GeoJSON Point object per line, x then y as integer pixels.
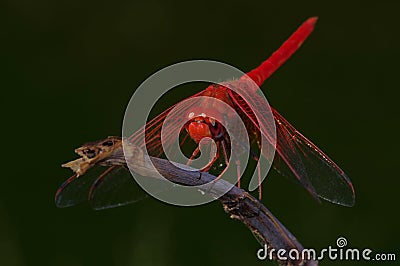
{"type": "Point", "coordinates": [212, 121]}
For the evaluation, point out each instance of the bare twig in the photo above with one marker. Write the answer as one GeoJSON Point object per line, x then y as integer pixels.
{"type": "Point", "coordinates": [236, 202]}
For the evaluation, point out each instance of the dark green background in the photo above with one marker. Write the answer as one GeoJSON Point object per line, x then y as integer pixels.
{"type": "Point", "coordinates": [68, 69]}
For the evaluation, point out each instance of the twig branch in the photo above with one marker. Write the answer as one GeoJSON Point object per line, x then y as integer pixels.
{"type": "Point", "coordinates": [236, 202]}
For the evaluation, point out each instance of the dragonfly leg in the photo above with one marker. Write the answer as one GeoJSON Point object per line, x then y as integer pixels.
{"type": "Point", "coordinates": [210, 164]}
{"type": "Point", "coordinates": [255, 157]}
{"type": "Point", "coordinates": [237, 162]}
{"type": "Point", "coordinates": [194, 154]}
{"type": "Point", "coordinates": [259, 182]}
{"type": "Point", "coordinates": [215, 159]}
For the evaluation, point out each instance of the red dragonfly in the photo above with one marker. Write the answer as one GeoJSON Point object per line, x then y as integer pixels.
{"type": "Point", "coordinates": [295, 154]}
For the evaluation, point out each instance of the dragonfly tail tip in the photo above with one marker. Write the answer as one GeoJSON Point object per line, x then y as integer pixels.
{"type": "Point", "coordinates": [312, 20]}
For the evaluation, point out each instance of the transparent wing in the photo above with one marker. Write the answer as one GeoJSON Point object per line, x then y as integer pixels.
{"type": "Point", "coordinates": [312, 167]}
{"type": "Point", "coordinates": [152, 130]}
{"type": "Point", "coordinates": [75, 189]}
{"type": "Point", "coordinates": [299, 157]}
{"type": "Point", "coordinates": [103, 187]}
{"type": "Point", "coordinates": [114, 188]}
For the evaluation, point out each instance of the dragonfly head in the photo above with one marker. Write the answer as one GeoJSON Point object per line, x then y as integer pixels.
{"type": "Point", "coordinates": [203, 126]}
